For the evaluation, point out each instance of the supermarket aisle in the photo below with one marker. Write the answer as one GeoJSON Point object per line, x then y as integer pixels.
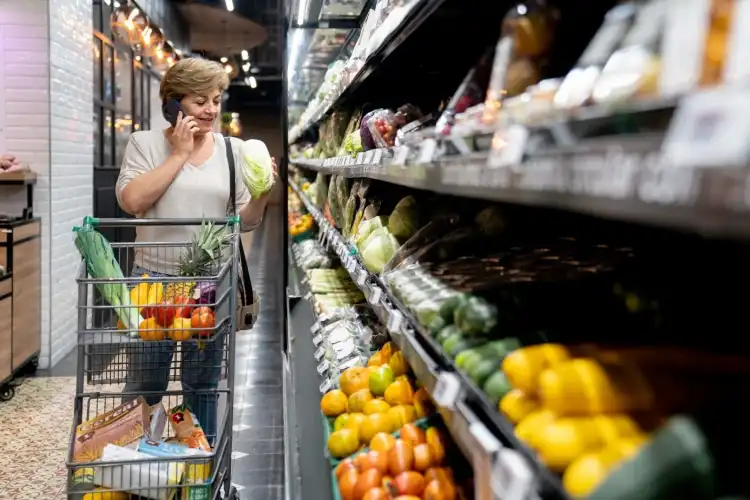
{"type": "Point", "coordinates": [258, 465]}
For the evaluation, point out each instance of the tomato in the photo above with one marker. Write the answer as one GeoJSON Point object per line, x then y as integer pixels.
{"type": "Point", "coordinates": [183, 307]}
{"type": "Point", "coordinates": [377, 494]}
{"type": "Point", "coordinates": [400, 457]}
{"type": "Point", "coordinates": [413, 434]}
{"type": "Point", "coordinates": [408, 483]}
{"type": "Point", "coordinates": [442, 474]}
{"type": "Point", "coordinates": [439, 490]}
{"type": "Point", "coordinates": [347, 482]}
{"type": "Point", "coordinates": [164, 313]}
{"type": "Point", "coordinates": [422, 458]}
{"type": "Point", "coordinates": [377, 460]}
{"type": "Point", "coordinates": [203, 317]}
{"type": "Point", "coordinates": [366, 481]}
{"type": "Point", "coordinates": [343, 466]}
{"type": "Point", "coordinates": [382, 441]}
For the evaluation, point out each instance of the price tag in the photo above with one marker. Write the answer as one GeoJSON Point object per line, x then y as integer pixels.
{"type": "Point", "coordinates": [395, 318]}
{"type": "Point", "coordinates": [427, 151]}
{"type": "Point", "coordinates": [315, 328]}
{"type": "Point", "coordinates": [351, 263]}
{"type": "Point", "coordinates": [317, 339]}
{"type": "Point", "coordinates": [362, 277]}
{"type": "Point", "coordinates": [319, 353]}
{"type": "Point", "coordinates": [325, 386]}
{"type": "Point", "coordinates": [447, 390]}
{"type": "Point", "coordinates": [400, 155]}
{"type": "Point", "coordinates": [377, 156]}
{"type": "Point", "coordinates": [511, 476]}
{"type": "Point", "coordinates": [710, 129]}
{"type": "Point", "coordinates": [308, 296]}
{"type": "Point", "coordinates": [323, 367]}
{"type": "Point", "coordinates": [375, 294]}
{"type": "Point", "coordinates": [508, 147]}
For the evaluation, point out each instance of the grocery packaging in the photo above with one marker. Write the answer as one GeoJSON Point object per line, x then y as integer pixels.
{"type": "Point", "coordinates": [187, 429]}
{"type": "Point", "coordinates": [149, 480]}
{"type": "Point", "coordinates": [121, 426]}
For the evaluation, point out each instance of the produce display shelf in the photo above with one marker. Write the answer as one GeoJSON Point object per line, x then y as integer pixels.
{"type": "Point", "coordinates": [621, 179]}
{"type": "Point", "coordinates": [310, 472]}
{"type": "Point", "coordinates": [484, 436]}
{"type": "Point", "coordinates": [413, 19]}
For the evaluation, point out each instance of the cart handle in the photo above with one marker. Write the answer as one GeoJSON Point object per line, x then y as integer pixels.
{"type": "Point", "coordinates": [95, 221]}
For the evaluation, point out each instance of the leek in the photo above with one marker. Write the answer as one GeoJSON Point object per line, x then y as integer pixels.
{"type": "Point", "coordinates": [101, 264]}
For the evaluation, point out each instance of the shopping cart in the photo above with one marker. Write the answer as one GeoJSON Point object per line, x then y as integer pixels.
{"type": "Point", "coordinates": [187, 367]}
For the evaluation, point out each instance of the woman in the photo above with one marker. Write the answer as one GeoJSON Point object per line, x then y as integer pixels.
{"type": "Point", "coordinates": [177, 173]}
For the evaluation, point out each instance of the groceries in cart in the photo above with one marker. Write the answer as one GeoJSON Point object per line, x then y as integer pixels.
{"type": "Point", "coordinates": [150, 458]}
{"type": "Point", "coordinates": [178, 308]}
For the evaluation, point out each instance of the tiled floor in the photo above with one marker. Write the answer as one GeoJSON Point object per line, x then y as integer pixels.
{"type": "Point", "coordinates": [35, 425]}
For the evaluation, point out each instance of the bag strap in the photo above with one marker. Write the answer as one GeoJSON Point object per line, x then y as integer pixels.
{"type": "Point", "coordinates": [247, 289]}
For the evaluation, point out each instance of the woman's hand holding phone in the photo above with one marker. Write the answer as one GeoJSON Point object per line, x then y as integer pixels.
{"type": "Point", "coordinates": [182, 136]}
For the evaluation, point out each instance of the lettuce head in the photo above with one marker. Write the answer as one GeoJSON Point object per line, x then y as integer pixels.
{"type": "Point", "coordinates": [257, 168]}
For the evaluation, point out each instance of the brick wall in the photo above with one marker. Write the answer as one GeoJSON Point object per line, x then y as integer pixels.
{"type": "Point", "coordinates": [46, 100]}
{"type": "Point", "coordinates": [24, 114]}
{"type": "Point", "coordinates": [71, 158]}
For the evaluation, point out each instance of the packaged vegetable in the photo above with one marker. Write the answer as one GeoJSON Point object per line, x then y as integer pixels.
{"type": "Point", "coordinates": [257, 168]}
{"type": "Point", "coordinates": [383, 128]}
{"type": "Point", "coordinates": [404, 220]}
{"type": "Point", "coordinates": [121, 426]}
{"type": "Point", "coordinates": [365, 133]}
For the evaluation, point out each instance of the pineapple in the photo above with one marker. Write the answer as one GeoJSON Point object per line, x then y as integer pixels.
{"type": "Point", "coordinates": [205, 248]}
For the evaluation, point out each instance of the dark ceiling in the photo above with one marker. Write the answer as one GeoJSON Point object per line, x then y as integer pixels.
{"type": "Point", "coordinates": [265, 59]}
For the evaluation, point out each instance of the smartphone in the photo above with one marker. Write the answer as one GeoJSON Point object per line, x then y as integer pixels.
{"type": "Point", "coordinates": [171, 109]}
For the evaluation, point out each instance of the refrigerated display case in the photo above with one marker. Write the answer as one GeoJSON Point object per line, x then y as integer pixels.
{"type": "Point", "coordinates": [536, 213]}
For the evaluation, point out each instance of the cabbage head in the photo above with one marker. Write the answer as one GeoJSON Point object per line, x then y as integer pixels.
{"type": "Point", "coordinates": [404, 220]}
{"type": "Point", "coordinates": [378, 250]}
{"type": "Point", "coordinates": [257, 168]}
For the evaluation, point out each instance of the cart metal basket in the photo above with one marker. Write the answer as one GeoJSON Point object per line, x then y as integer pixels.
{"type": "Point", "coordinates": [167, 365]}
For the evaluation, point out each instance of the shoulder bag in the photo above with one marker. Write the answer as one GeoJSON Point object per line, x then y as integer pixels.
{"type": "Point", "coordinates": [248, 302]}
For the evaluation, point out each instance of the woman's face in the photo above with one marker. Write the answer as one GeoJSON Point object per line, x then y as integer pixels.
{"type": "Point", "coordinates": [205, 109]}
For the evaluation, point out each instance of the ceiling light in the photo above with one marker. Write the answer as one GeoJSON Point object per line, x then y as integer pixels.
{"type": "Point", "coordinates": [228, 69]}
{"type": "Point", "coordinates": [230, 5]}
{"type": "Point", "coordinates": [246, 67]}
{"type": "Point", "coordinates": [252, 82]}
{"type": "Point", "coordinates": [245, 55]}
{"type": "Point", "coordinates": [223, 60]}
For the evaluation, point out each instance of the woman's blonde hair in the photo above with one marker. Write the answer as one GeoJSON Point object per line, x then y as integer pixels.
{"type": "Point", "coordinates": [193, 76]}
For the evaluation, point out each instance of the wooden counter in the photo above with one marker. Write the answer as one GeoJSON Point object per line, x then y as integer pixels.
{"type": "Point", "coordinates": [20, 295]}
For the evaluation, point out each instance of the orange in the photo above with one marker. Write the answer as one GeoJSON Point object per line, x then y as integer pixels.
{"type": "Point", "coordinates": [376, 359]}
{"type": "Point", "coordinates": [180, 329]}
{"type": "Point", "coordinates": [401, 415]}
{"type": "Point", "coordinates": [377, 422]}
{"type": "Point", "coordinates": [422, 403]}
{"type": "Point", "coordinates": [399, 393]}
{"type": "Point", "coordinates": [380, 378]}
{"type": "Point", "coordinates": [358, 400]}
{"type": "Point", "coordinates": [354, 379]}
{"type": "Point", "coordinates": [398, 364]}
{"type": "Point", "coordinates": [333, 403]}
{"type": "Point", "coordinates": [149, 329]}
{"type": "Point", "coordinates": [387, 350]}
{"type": "Point", "coordinates": [354, 421]}
{"type": "Point", "coordinates": [376, 406]}
{"type": "Point", "coordinates": [343, 443]}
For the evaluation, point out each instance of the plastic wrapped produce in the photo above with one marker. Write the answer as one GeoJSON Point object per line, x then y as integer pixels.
{"type": "Point", "coordinates": [367, 227]}
{"type": "Point", "coordinates": [350, 210]}
{"type": "Point", "coordinates": [404, 220]}
{"type": "Point", "coordinates": [427, 235]}
{"type": "Point", "coordinates": [321, 190]}
{"type": "Point", "coordinates": [378, 250]}
{"type": "Point", "coordinates": [364, 130]}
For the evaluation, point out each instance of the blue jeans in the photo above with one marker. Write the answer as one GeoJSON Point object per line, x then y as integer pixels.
{"type": "Point", "coordinates": [200, 369]}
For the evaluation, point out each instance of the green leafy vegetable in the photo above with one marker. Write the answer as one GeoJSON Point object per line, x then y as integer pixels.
{"type": "Point", "coordinates": [404, 219]}
{"type": "Point", "coordinates": [101, 264]}
{"type": "Point", "coordinates": [257, 171]}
